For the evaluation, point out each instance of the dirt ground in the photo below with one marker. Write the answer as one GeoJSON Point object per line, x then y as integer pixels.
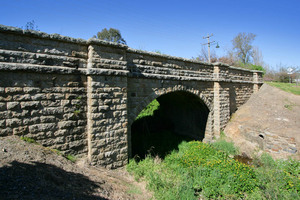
{"type": "Point", "coordinates": [31, 171]}
{"type": "Point", "coordinates": [269, 121]}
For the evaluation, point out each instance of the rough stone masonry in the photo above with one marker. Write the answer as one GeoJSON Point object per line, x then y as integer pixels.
{"type": "Point", "coordinates": [81, 96]}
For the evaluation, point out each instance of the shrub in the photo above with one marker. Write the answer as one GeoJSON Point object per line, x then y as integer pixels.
{"type": "Point", "coordinates": [198, 170]}
{"type": "Point", "coordinates": [227, 147]}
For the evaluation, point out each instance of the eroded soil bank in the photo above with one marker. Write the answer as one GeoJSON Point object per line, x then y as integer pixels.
{"type": "Point", "coordinates": [31, 171]}
{"type": "Point", "coordinates": [269, 121]}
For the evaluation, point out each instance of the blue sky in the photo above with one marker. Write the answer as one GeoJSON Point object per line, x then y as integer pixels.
{"type": "Point", "coordinates": [170, 26]}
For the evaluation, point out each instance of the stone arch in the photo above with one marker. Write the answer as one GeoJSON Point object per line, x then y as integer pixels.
{"type": "Point", "coordinates": [162, 91]}
{"type": "Point", "coordinates": [157, 93]}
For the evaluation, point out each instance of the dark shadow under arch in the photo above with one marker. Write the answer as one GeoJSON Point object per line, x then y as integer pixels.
{"type": "Point", "coordinates": [182, 116]}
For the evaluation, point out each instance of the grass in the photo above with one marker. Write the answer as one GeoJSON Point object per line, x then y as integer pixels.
{"type": "Point", "coordinates": [149, 110]}
{"type": "Point", "coordinates": [71, 158]}
{"type": "Point", "coordinates": [227, 147]}
{"type": "Point", "coordinates": [29, 140]}
{"type": "Point", "coordinates": [288, 87]}
{"type": "Point", "coordinates": [134, 190]}
{"type": "Point", "coordinates": [201, 171]}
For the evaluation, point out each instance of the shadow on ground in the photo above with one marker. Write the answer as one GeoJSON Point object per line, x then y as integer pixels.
{"type": "Point", "coordinates": [44, 181]}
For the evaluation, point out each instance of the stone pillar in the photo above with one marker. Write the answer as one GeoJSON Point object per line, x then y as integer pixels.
{"type": "Point", "coordinates": [89, 104]}
{"type": "Point", "coordinates": [217, 121]}
{"type": "Point", "coordinates": [107, 109]}
{"type": "Point", "coordinates": [255, 82]}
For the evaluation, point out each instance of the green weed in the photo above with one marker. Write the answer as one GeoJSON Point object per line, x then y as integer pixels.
{"type": "Point", "coordinates": [29, 140]}
{"type": "Point", "coordinates": [149, 110]}
{"type": "Point", "coordinates": [56, 151]}
{"type": "Point", "coordinates": [71, 158]}
{"type": "Point", "coordinates": [228, 147]}
{"type": "Point", "coordinates": [199, 170]}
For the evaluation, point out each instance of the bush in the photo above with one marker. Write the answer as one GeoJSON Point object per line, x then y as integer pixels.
{"type": "Point", "coordinates": [227, 147]}
{"type": "Point", "coordinates": [198, 170]}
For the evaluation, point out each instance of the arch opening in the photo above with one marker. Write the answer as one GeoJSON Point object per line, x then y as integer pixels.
{"type": "Point", "coordinates": [166, 122]}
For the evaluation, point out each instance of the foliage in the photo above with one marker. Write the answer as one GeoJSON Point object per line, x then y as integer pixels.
{"type": "Point", "coordinates": [111, 35]}
{"type": "Point", "coordinates": [257, 67]}
{"type": "Point", "coordinates": [227, 147]}
{"type": "Point", "coordinates": [197, 169]}
{"type": "Point", "coordinates": [200, 171]}
{"type": "Point", "coordinates": [157, 51]}
{"type": "Point", "coordinates": [229, 60]}
{"type": "Point", "coordinates": [277, 179]}
{"type": "Point", "coordinates": [31, 26]}
{"type": "Point", "coordinates": [149, 110]}
{"type": "Point", "coordinates": [71, 158]}
{"type": "Point", "coordinates": [29, 140]}
{"type": "Point", "coordinates": [56, 151]}
{"type": "Point", "coordinates": [288, 87]}
{"type": "Point", "coordinates": [242, 45]}
{"type": "Point", "coordinates": [282, 75]}
{"type": "Point", "coordinates": [203, 56]}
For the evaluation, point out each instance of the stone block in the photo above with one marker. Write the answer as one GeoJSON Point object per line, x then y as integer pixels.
{"type": "Point", "coordinates": [103, 108]}
{"type": "Point", "coordinates": [66, 124]}
{"type": "Point", "coordinates": [292, 150]}
{"type": "Point", "coordinates": [30, 104]}
{"type": "Point", "coordinates": [47, 119]}
{"type": "Point", "coordinates": [2, 106]}
{"type": "Point", "coordinates": [22, 130]}
{"type": "Point", "coordinates": [30, 121]}
{"type": "Point", "coordinates": [31, 89]}
{"type": "Point", "coordinates": [81, 122]}
{"type": "Point", "coordinates": [42, 127]}
{"type": "Point", "coordinates": [20, 113]}
{"type": "Point", "coordinates": [60, 132]}
{"type": "Point", "coordinates": [13, 105]}
{"type": "Point", "coordinates": [52, 111]}
{"type": "Point", "coordinates": [65, 102]}
{"type": "Point", "coordinates": [24, 97]}
{"type": "Point", "coordinates": [37, 97]}
{"type": "Point", "coordinates": [13, 122]}
{"type": "Point", "coordinates": [13, 90]}
{"type": "Point", "coordinates": [2, 123]}
{"type": "Point", "coordinates": [6, 131]}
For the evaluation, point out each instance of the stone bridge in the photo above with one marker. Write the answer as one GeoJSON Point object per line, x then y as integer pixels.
{"type": "Point", "coordinates": [82, 96]}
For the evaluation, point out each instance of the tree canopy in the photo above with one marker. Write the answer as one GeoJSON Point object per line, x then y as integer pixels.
{"type": "Point", "coordinates": [242, 45]}
{"type": "Point", "coordinates": [30, 26]}
{"type": "Point", "coordinates": [111, 35]}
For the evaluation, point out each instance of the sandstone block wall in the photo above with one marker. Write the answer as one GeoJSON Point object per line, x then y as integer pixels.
{"type": "Point", "coordinates": [81, 97]}
{"type": "Point", "coordinates": [50, 108]}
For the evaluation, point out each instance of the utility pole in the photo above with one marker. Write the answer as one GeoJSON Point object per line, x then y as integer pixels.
{"type": "Point", "coordinates": [208, 44]}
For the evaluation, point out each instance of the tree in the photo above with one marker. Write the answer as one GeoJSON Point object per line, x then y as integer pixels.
{"type": "Point", "coordinates": [31, 26]}
{"type": "Point", "coordinates": [242, 46]}
{"type": "Point", "coordinates": [257, 57]}
{"type": "Point", "coordinates": [227, 60]}
{"type": "Point", "coordinates": [111, 35]}
{"type": "Point", "coordinates": [203, 56]}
